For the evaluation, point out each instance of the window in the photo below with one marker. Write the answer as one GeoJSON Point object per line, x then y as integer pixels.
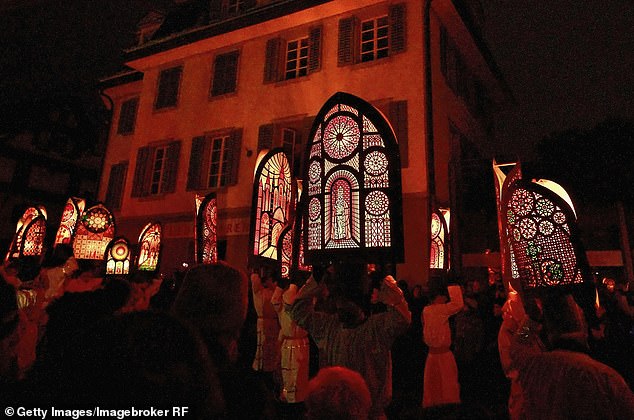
{"type": "Point", "coordinates": [225, 73]}
{"type": "Point", "coordinates": [373, 38]}
{"type": "Point", "coordinates": [232, 7]}
{"type": "Point", "coordinates": [116, 183]}
{"type": "Point", "coordinates": [156, 169]}
{"type": "Point", "coordinates": [214, 160]}
{"type": "Point", "coordinates": [374, 41]}
{"type": "Point", "coordinates": [296, 58]}
{"type": "Point", "coordinates": [168, 86]}
{"type": "Point", "coordinates": [288, 135]}
{"type": "Point", "coordinates": [127, 116]}
{"type": "Point", "coordinates": [293, 59]}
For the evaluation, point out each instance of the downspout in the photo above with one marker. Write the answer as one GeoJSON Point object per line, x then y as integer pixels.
{"type": "Point", "coordinates": [429, 117]}
{"type": "Point", "coordinates": [108, 126]}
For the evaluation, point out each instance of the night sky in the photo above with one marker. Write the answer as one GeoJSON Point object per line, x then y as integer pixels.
{"type": "Point", "coordinates": [568, 63]}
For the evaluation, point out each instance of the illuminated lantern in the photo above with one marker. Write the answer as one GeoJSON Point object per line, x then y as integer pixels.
{"type": "Point", "coordinates": [439, 250]}
{"type": "Point", "coordinates": [149, 247]}
{"type": "Point", "coordinates": [70, 216]}
{"type": "Point", "coordinates": [353, 197]}
{"type": "Point", "coordinates": [541, 222]}
{"type": "Point", "coordinates": [505, 175]}
{"type": "Point", "coordinates": [272, 202]}
{"type": "Point", "coordinates": [285, 251]}
{"type": "Point", "coordinates": [94, 232]}
{"type": "Point", "coordinates": [29, 234]}
{"type": "Point", "coordinates": [206, 242]}
{"type": "Point", "coordinates": [117, 257]}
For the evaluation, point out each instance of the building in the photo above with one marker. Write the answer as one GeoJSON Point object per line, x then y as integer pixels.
{"type": "Point", "coordinates": [210, 84]}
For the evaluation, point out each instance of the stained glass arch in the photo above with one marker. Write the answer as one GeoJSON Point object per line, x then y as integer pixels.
{"type": "Point", "coordinates": [70, 217]}
{"type": "Point", "coordinates": [206, 229]}
{"type": "Point", "coordinates": [149, 247]}
{"type": "Point", "coordinates": [95, 230]}
{"type": "Point", "coordinates": [272, 203]}
{"type": "Point", "coordinates": [117, 256]}
{"type": "Point", "coordinates": [353, 197]}
{"type": "Point", "coordinates": [439, 249]}
{"type": "Point", "coordinates": [543, 236]}
{"type": "Point", "coordinates": [30, 231]}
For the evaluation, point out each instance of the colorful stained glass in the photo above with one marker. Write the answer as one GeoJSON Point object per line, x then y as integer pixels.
{"type": "Point", "coordinates": [353, 179]}
{"type": "Point", "coordinates": [541, 239]}
{"type": "Point", "coordinates": [272, 201]}
{"type": "Point", "coordinates": [439, 251]}
{"type": "Point", "coordinates": [118, 256]}
{"type": "Point", "coordinates": [285, 249]}
{"type": "Point", "coordinates": [70, 216]}
{"type": "Point", "coordinates": [94, 232]}
{"type": "Point", "coordinates": [29, 234]}
{"type": "Point", "coordinates": [207, 229]}
{"type": "Point", "coordinates": [149, 247]}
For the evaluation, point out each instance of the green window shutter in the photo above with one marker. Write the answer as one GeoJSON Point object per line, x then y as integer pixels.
{"type": "Point", "coordinates": [140, 183]}
{"type": "Point", "coordinates": [314, 49]}
{"type": "Point", "coordinates": [398, 120]}
{"type": "Point", "coordinates": [265, 137]}
{"type": "Point", "coordinates": [171, 167]}
{"type": "Point", "coordinates": [272, 60]}
{"type": "Point", "coordinates": [195, 163]}
{"type": "Point", "coordinates": [116, 183]}
{"type": "Point", "coordinates": [346, 48]}
{"type": "Point", "coordinates": [398, 29]}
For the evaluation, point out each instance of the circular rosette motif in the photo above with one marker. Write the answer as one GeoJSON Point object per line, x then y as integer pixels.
{"type": "Point", "coordinates": [97, 221]}
{"type": "Point", "coordinates": [552, 272]}
{"type": "Point", "coordinates": [522, 202]}
{"type": "Point", "coordinates": [544, 207]}
{"type": "Point", "coordinates": [377, 203]}
{"type": "Point", "coordinates": [546, 227]}
{"type": "Point", "coordinates": [559, 217]}
{"type": "Point", "coordinates": [376, 163]}
{"type": "Point", "coordinates": [314, 171]}
{"type": "Point", "coordinates": [341, 137]}
{"type": "Point", "coordinates": [528, 228]}
{"type": "Point", "coordinates": [120, 251]}
{"type": "Point", "coordinates": [314, 209]}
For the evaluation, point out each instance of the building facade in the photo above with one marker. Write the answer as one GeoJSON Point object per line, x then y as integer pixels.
{"type": "Point", "coordinates": [211, 84]}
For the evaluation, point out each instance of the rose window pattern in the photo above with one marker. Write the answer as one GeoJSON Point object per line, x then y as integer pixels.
{"type": "Point", "coordinates": [272, 200]}
{"type": "Point", "coordinates": [540, 239]}
{"type": "Point", "coordinates": [149, 247]}
{"type": "Point", "coordinates": [94, 232]}
{"type": "Point", "coordinates": [349, 200]}
{"type": "Point", "coordinates": [118, 257]}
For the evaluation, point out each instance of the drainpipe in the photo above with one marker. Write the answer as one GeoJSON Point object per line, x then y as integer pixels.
{"type": "Point", "coordinates": [429, 117]}
{"type": "Point", "coordinates": [108, 126]}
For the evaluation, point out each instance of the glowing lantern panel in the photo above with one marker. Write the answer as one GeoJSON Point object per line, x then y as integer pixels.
{"type": "Point", "coordinates": [94, 231]}
{"type": "Point", "coordinates": [206, 229]}
{"type": "Point", "coordinates": [118, 257]}
{"type": "Point", "coordinates": [149, 247]}
{"type": "Point", "coordinates": [70, 216]}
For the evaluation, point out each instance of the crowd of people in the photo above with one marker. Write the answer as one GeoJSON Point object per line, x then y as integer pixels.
{"type": "Point", "coordinates": [341, 342]}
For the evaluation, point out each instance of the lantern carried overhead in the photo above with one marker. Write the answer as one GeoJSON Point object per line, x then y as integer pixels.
{"type": "Point", "coordinates": [29, 234]}
{"type": "Point", "coordinates": [94, 232]}
{"type": "Point", "coordinates": [206, 241]}
{"type": "Point", "coordinates": [118, 255]}
{"type": "Point", "coordinates": [353, 200]}
{"type": "Point", "coordinates": [149, 248]}
{"type": "Point", "coordinates": [439, 250]}
{"type": "Point", "coordinates": [272, 202]}
{"type": "Point", "coordinates": [70, 217]}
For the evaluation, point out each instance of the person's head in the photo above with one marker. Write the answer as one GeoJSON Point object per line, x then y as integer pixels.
{"type": "Point", "coordinates": [214, 299]}
{"type": "Point", "coordinates": [565, 326]}
{"type": "Point", "coordinates": [58, 255]}
{"type": "Point", "coordinates": [437, 290]}
{"type": "Point", "coordinates": [346, 286]}
{"type": "Point", "coordinates": [337, 393]}
{"type": "Point", "coordinates": [417, 291]}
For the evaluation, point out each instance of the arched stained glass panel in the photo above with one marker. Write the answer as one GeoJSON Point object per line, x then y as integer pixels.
{"type": "Point", "coordinates": [70, 216]}
{"type": "Point", "coordinates": [95, 230]}
{"type": "Point", "coordinates": [33, 239]}
{"type": "Point", "coordinates": [118, 256]}
{"type": "Point", "coordinates": [207, 229]}
{"type": "Point", "coordinates": [29, 234]}
{"type": "Point", "coordinates": [438, 258]}
{"type": "Point", "coordinates": [271, 204]}
{"type": "Point", "coordinates": [354, 192]}
{"type": "Point", "coordinates": [149, 247]}
{"type": "Point", "coordinates": [544, 248]}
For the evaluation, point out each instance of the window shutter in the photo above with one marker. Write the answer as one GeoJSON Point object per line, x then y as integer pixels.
{"type": "Point", "coordinates": [265, 137]}
{"type": "Point", "coordinates": [115, 185]}
{"type": "Point", "coordinates": [169, 84]}
{"type": "Point", "coordinates": [314, 49]}
{"type": "Point", "coordinates": [398, 120]}
{"type": "Point", "coordinates": [272, 63]}
{"type": "Point", "coordinates": [225, 74]}
{"type": "Point", "coordinates": [171, 167]}
{"type": "Point", "coordinates": [396, 16]}
{"type": "Point", "coordinates": [195, 163]}
{"type": "Point", "coordinates": [234, 148]}
{"type": "Point", "coordinates": [127, 116]}
{"type": "Point", "coordinates": [345, 52]}
{"type": "Point", "coordinates": [140, 186]}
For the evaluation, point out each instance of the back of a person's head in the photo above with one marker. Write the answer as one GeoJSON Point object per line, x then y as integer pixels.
{"type": "Point", "coordinates": [337, 393]}
{"type": "Point", "coordinates": [57, 255]}
{"type": "Point", "coordinates": [213, 297]}
{"type": "Point", "coordinates": [564, 322]}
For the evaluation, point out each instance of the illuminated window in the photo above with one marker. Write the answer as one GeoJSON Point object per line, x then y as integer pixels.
{"type": "Point", "coordinates": [374, 40]}
{"type": "Point", "coordinates": [296, 58]}
{"type": "Point", "coordinates": [225, 73]}
{"type": "Point", "coordinates": [149, 247]}
{"type": "Point", "coordinates": [540, 224]}
{"type": "Point", "coordinates": [94, 232]}
{"type": "Point", "coordinates": [127, 116]}
{"type": "Point", "coordinates": [168, 87]}
{"type": "Point", "coordinates": [156, 169]}
{"type": "Point", "coordinates": [272, 200]}
{"type": "Point", "coordinates": [70, 216]}
{"type": "Point", "coordinates": [118, 257]}
{"type": "Point", "coordinates": [214, 160]}
{"type": "Point", "coordinates": [352, 183]}
{"type": "Point", "coordinates": [206, 229]}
